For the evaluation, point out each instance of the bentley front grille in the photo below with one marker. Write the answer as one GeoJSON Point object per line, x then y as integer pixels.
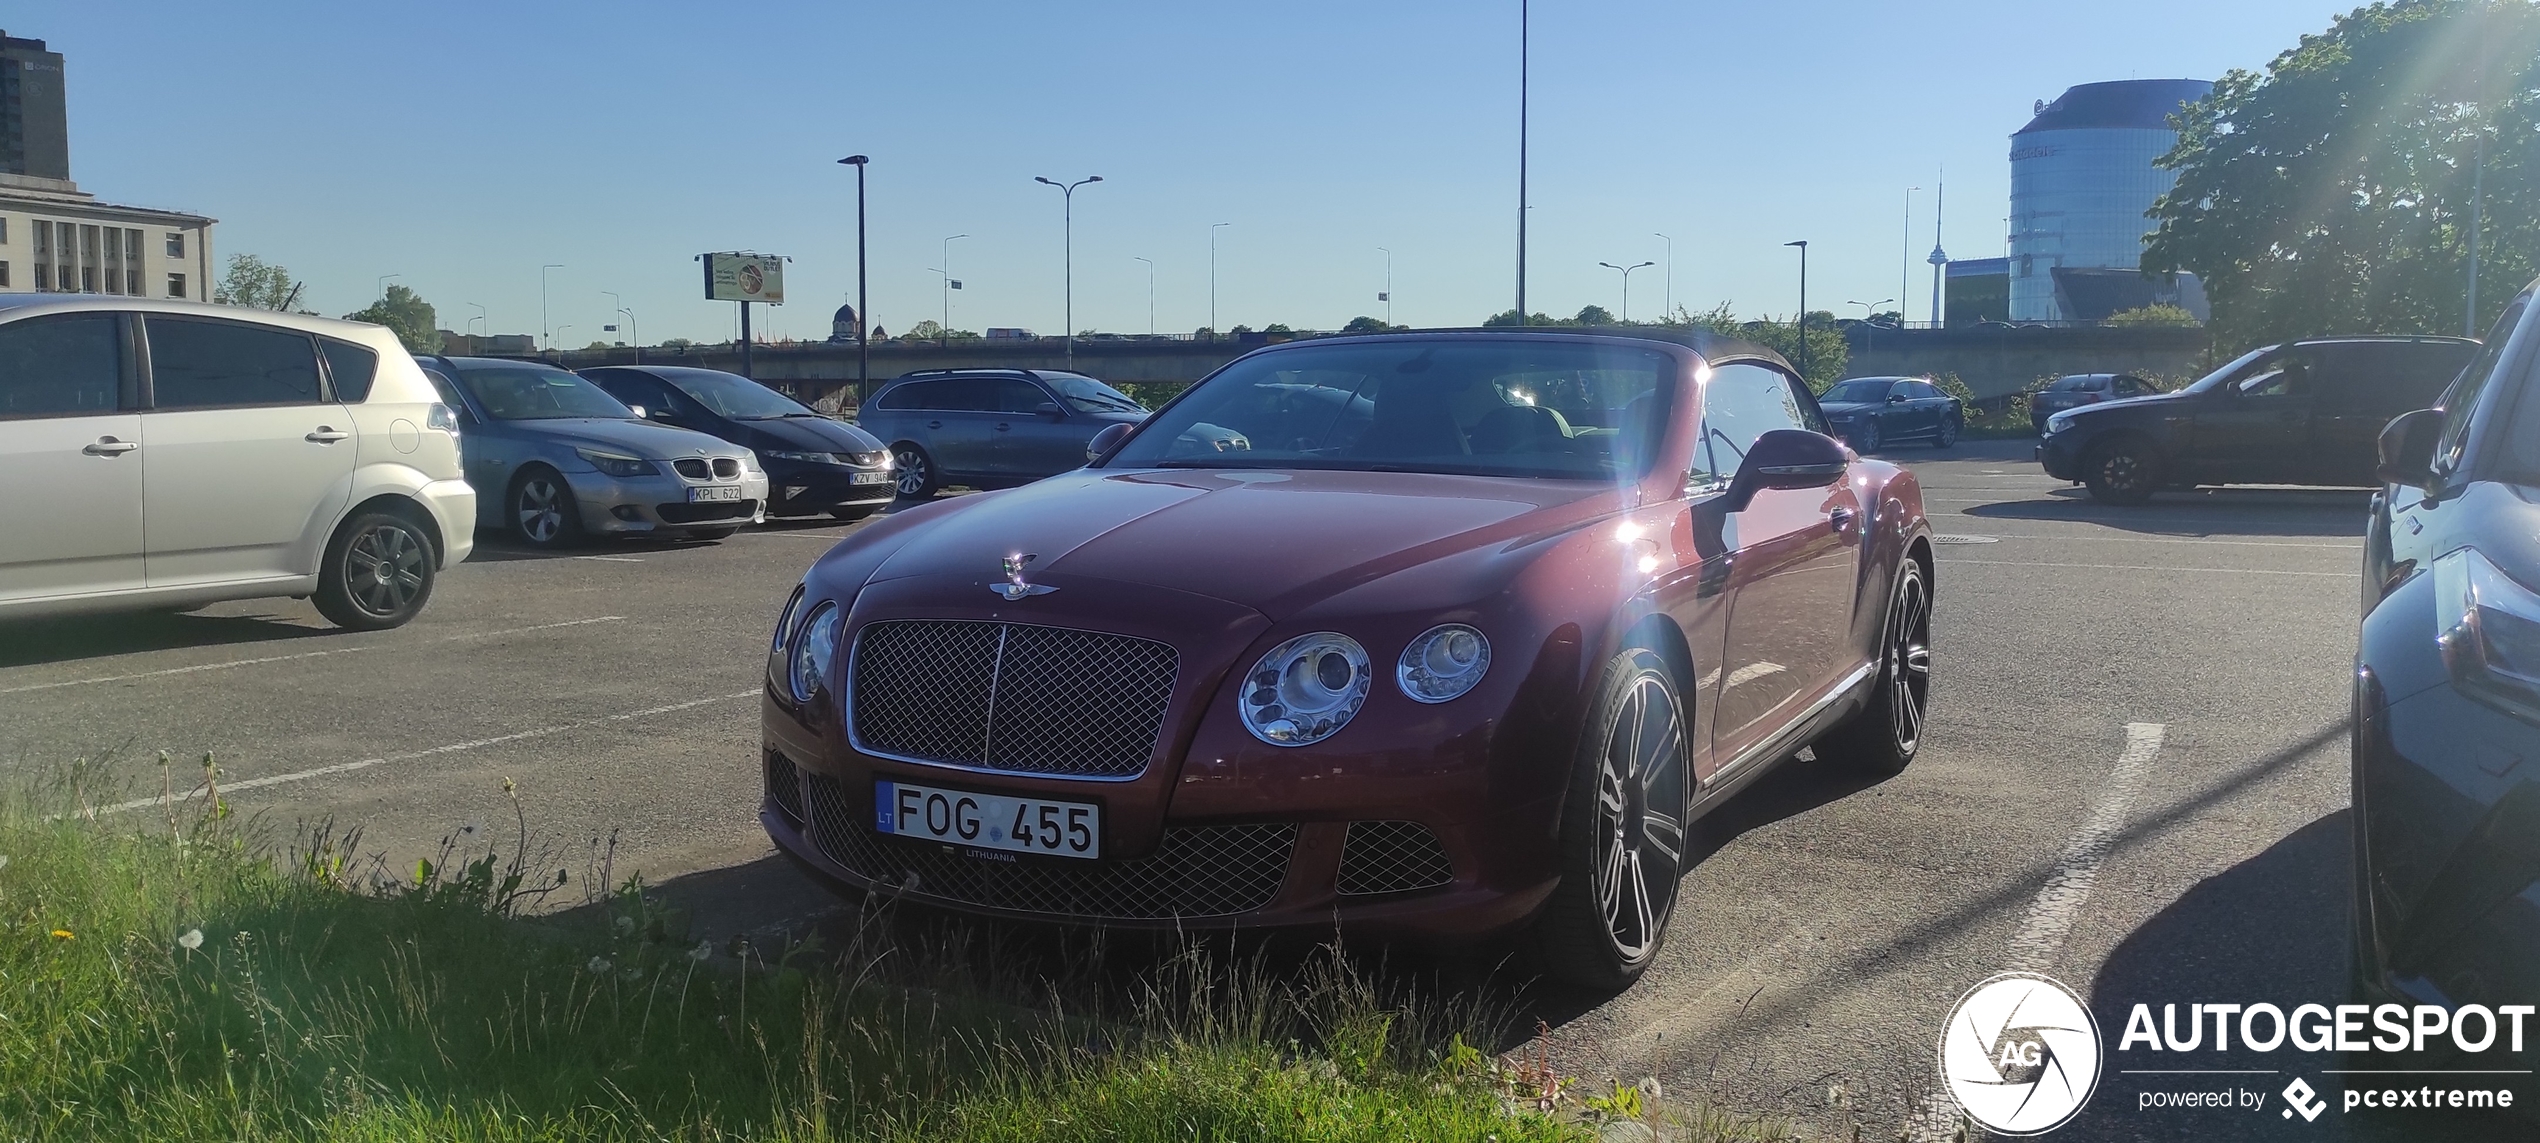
{"type": "Point", "coordinates": [1392, 857]}
{"type": "Point", "coordinates": [1010, 696]}
{"type": "Point", "coordinates": [1203, 871]}
{"type": "Point", "coordinates": [785, 786]}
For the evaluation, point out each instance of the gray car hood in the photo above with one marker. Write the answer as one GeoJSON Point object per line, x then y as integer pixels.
{"type": "Point", "coordinates": [634, 438]}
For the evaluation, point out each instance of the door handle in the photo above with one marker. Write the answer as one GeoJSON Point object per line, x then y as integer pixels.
{"type": "Point", "coordinates": [1004, 427]}
{"type": "Point", "coordinates": [934, 424]}
{"type": "Point", "coordinates": [1842, 518]}
{"type": "Point", "coordinates": [109, 446]}
{"type": "Point", "coordinates": [326, 435]}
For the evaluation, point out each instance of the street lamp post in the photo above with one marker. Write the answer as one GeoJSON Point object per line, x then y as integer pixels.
{"type": "Point", "coordinates": [1668, 312]}
{"type": "Point", "coordinates": [1802, 324]}
{"type": "Point", "coordinates": [945, 336]}
{"type": "Point", "coordinates": [1213, 228]}
{"type": "Point", "coordinates": [383, 285]}
{"type": "Point", "coordinates": [1905, 259]}
{"type": "Point", "coordinates": [1871, 309]}
{"type": "Point", "coordinates": [560, 329]}
{"type": "Point", "coordinates": [480, 316]}
{"type": "Point", "coordinates": [1626, 315]}
{"type": "Point", "coordinates": [1150, 293]}
{"type": "Point", "coordinates": [1388, 295]}
{"type": "Point", "coordinates": [1525, 23]}
{"type": "Point", "coordinates": [546, 334]}
{"type": "Point", "coordinates": [863, 312]}
{"type": "Point", "coordinates": [1067, 210]}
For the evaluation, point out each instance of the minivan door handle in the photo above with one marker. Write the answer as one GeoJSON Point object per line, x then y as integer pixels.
{"type": "Point", "coordinates": [327, 435]}
{"type": "Point", "coordinates": [109, 446]}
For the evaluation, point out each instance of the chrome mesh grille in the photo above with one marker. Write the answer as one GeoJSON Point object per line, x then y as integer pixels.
{"type": "Point", "coordinates": [1207, 871]}
{"type": "Point", "coordinates": [785, 785]}
{"type": "Point", "coordinates": [1010, 696]}
{"type": "Point", "coordinates": [692, 469]}
{"type": "Point", "coordinates": [1392, 857]}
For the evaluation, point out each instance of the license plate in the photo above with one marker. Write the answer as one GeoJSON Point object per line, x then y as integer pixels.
{"type": "Point", "coordinates": [988, 821]}
{"type": "Point", "coordinates": [723, 492]}
{"type": "Point", "coordinates": [870, 478]}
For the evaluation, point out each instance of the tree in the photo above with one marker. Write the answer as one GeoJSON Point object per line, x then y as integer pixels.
{"type": "Point", "coordinates": [1369, 325]}
{"type": "Point", "coordinates": [2152, 315]}
{"type": "Point", "coordinates": [1277, 327]}
{"type": "Point", "coordinates": [407, 315]}
{"type": "Point", "coordinates": [1593, 315]}
{"type": "Point", "coordinates": [253, 282]}
{"type": "Point", "coordinates": [2333, 193]}
{"type": "Point", "coordinates": [1828, 351]}
{"type": "Point", "coordinates": [1509, 317]}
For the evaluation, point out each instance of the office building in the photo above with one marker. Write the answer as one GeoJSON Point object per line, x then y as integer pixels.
{"type": "Point", "coordinates": [56, 238]}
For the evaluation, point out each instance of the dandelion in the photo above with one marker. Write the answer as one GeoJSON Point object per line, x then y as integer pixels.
{"type": "Point", "coordinates": [634, 972]}
{"type": "Point", "coordinates": [703, 950]}
{"type": "Point", "coordinates": [4, 861]}
{"type": "Point", "coordinates": [192, 940]}
{"type": "Point", "coordinates": [598, 967]}
{"type": "Point", "coordinates": [62, 934]}
{"type": "Point", "coordinates": [625, 926]}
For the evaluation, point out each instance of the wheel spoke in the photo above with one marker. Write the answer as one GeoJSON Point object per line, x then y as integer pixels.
{"type": "Point", "coordinates": [1644, 908]}
{"type": "Point", "coordinates": [1610, 877]}
{"type": "Point", "coordinates": [1666, 835]}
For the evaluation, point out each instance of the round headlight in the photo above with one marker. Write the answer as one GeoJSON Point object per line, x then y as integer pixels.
{"type": "Point", "coordinates": [1305, 689]}
{"type": "Point", "coordinates": [1443, 663]}
{"type": "Point", "coordinates": [814, 649]}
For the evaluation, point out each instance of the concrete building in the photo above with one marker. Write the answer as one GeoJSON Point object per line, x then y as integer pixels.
{"type": "Point", "coordinates": [2081, 181]}
{"type": "Point", "coordinates": [56, 238]}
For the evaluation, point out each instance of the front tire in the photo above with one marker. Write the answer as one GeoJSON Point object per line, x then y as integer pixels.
{"type": "Point", "coordinates": [378, 573]}
{"type": "Point", "coordinates": [1867, 438]}
{"type": "Point", "coordinates": [541, 510]}
{"type": "Point", "coordinates": [1948, 436]}
{"type": "Point", "coordinates": [2122, 471]}
{"type": "Point", "coordinates": [1883, 738]}
{"type": "Point", "coordinates": [916, 471]}
{"type": "Point", "coordinates": [1623, 830]}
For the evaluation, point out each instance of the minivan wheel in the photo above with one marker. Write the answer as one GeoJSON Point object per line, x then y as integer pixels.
{"type": "Point", "coordinates": [2122, 471]}
{"type": "Point", "coordinates": [541, 510]}
{"type": "Point", "coordinates": [916, 469]}
{"type": "Point", "coordinates": [1623, 830]}
{"type": "Point", "coordinates": [1883, 737]}
{"type": "Point", "coordinates": [378, 573]}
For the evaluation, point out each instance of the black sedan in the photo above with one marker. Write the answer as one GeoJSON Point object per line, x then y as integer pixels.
{"type": "Point", "coordinates": [2446, 735]}
{"type": "Point", "coordinates": [1870, 413]}
{"type": "Point", "coordinates": [814, 463]}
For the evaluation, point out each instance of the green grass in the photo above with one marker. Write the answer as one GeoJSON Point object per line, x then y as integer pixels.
{"type": "Point", "coordinates": [328, 999]}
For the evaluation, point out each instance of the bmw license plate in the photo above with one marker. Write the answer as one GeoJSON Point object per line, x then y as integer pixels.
{"type": "Point", "coordinates": [870, 478]}
{"type": "Point", "coordinates": [988, 821]}
{"type": "Point", "coordinates": [720, 492]}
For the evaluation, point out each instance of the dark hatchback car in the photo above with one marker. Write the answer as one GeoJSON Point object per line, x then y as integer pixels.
{"type": "Point", "coordinates": [2074, 390]}
{"type": "Point", "coordinates": [1871, 413]}
{"type": "Point", "coordinates": [1433, 634]}
{"type": "Point", "coordinates": [990, 428]}
{"type": "Point", "coordinates": [815, 463]}
{"type": "Point", "coordinates": [2446, 718]}
{"type": "Point", "coordinates": [2306, 412]}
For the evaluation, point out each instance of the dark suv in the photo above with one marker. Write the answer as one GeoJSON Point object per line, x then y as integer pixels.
{"type": "Point", "coordinates": [990, 428]}
{"type": "Point", "coordinates": [2305, 412]}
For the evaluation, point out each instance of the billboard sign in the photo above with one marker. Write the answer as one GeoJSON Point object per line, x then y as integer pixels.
{"type": "Point", "coordinates": [745, 278]}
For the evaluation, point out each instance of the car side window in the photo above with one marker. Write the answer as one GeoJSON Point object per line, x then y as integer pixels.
{"type": "Point", "coordinates": [350, 367]}
{"type": "Point", "coordinates": [633, 389]}
{"type": "Point", "coordinates": [2287, 375]}
{"type": "Point", "coordinates": [1925, 390]}
{"type": "Point", "coordinates": [1008, 395]}
{"type": "Point", "coordinates": [217, 364]}
{"type": "Point", "coordinates": [1743, 402]}
{"type": "Point", "coordinates": [65, 366]}
{"type": "Point", "coordinates": [2462, 400]}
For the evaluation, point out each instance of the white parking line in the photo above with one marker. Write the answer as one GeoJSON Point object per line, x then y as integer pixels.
{"type": "Point", "coordinates": [287, 658]}
{"type": "Point", "coordinates": [1949, 562]}
{"type": "Point", "coordinates": [452, 748]}
{"type": "Point", "coordinates": [2357, 546]}
{"type": "Point", "coordinates": [613, 559]}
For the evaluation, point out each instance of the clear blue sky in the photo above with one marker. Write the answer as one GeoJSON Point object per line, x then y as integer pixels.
{"type": "Point", "coordinates": [463, 144]}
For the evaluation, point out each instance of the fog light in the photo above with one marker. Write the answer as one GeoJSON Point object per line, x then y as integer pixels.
{"type": "Point", "coordinates": [628, 513]}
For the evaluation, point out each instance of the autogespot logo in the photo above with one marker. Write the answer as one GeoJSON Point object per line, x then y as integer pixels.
{"type": "Point", "coordinates": [2020, 1054]}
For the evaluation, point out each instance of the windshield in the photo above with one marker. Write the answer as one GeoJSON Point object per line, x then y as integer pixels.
{"type": "Point", "coordinates": [734, 396]}
{"type": "Point", "coordinates": [538, 393]}
{"type": "Point", "coordinates": [2214, 380]}
{"type": "Point", "coordinates": [1091, 396]}
{"type": "Point", "coordinates": [1499, 407]}
{"type": "Point", "coordinates": [1863, 391]}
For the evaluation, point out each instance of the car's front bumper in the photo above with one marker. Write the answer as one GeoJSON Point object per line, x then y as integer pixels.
{"type": "Point", "coordinates": [636, 505]}
{"type": "Point", "coordinates": [2059, 457]}
{"type": "Point", "coordinates": [798, 489]}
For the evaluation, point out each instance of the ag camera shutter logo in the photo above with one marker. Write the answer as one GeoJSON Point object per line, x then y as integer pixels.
{"type": "Point", "coordinates": [2021, 1054]}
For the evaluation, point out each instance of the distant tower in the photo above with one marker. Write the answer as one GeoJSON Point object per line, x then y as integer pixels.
{"type": "Point", "coordinates": [1939, 258]}
{"type": "Point", "coordinates": [2081, 179]}
{"type": "Point", "coordinates": [34, 126]}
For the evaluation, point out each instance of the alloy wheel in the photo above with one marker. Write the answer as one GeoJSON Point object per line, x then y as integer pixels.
{"type": "Point", "coordinates": [2121, 470]}
{"type": "Point", "coordinates": [912, 470]}
{"type": "Point", "coordinates": [539, 509]}
{"type": "Point", "coordinates": [1909, 661]}
{"type": "Point", "coordinates": [1640, 830]}
{"type": "Point", "coordinates": [1869, 442]}
{"type": "Point", "coordinates": [384, 569]}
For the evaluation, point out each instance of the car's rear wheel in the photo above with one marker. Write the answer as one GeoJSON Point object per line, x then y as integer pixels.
{"type": "Point", "coordinates": [1949, 430]}
{"type": "Point", "coordinates": [1623, 830]}
{"type": "Point", "coordinates": [1884, 736]}
{"type": "Point", "coordinates": [916, 469]}
{"type": "Point", "coordinates": [2122, 471]}
{"type": "Point", "coordinates": [378, 573]}
{"type": "Point", "coordinates": [542, 510]}
{"type": "Point", "coordinates": [1867, 438]}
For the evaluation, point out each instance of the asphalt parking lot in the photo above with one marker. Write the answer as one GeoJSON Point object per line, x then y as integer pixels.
{"type": "Point", "coordinates": [2134, 779]}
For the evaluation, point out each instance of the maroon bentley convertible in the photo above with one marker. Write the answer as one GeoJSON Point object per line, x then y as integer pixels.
{"type": "Point", "coordinates": [1432, 634]}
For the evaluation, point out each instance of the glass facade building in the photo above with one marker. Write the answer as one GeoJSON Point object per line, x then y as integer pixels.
{"type": "Point", "coordinates": [2081, 181]}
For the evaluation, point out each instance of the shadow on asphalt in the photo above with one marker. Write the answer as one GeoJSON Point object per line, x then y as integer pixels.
{"type": "Point", "coordinates": [2325, 512]}
{"type": "Point", "coordinates": [29, 642]}
{"type": "Point", "coordinates": [496, 548]}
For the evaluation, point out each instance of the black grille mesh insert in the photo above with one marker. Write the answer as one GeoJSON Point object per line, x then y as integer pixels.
{"type": "Point", "coordinates": [1392, 857]}
{"type": "Point", "coordinates": [1207, 871]}
{"type": "Point", "coordinates": [693, 469]}
{"type": "Point", "coordinates": [1010, 696]}
{"type": "Point", "coordinates": [785, 785]}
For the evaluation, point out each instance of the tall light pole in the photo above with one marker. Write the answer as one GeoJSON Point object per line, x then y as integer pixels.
{"type": "Point", "coordinates": [1802, 324]}
{"type": "Point", "coordinates": [1213, 228]}
{"type": "Point", "coordinates": [2477, 209]}
{"type": "Point", "coordinates": [1905, 258]}
{"type": "Point", "coordinates": [1668, 310]}
{"type": "Point", "coordinates": [1150, 293]}
{"type": "Point", "coordinates": [949, 286]}
{"type": "Point", "coordinates": [560, 329]}
{"type": "Point", "coordinates": [480, 317]}
{"type": "Point", "coordinates": [383, 285]}
{"type": "Point", "coordinates": [546, 333]}
{"type": "Point", "coordinates": [1627, 284]}
{"type": "Point", "coordinates": [1525, 24]}
{"type": "Point", "coordinates": [1067, 208]}
{"type": "Point", "coordinates": [1387, 298]}
{"type": "Point", "coordinates": [1871, 309]}
{"type": "Point", "coordinates": [863, 312]}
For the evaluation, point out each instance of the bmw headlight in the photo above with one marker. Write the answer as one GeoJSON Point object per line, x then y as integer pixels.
{"type": "Point", "coordinates": [815, 648]}
{"type": "Point", "coordinates": [615, 464]}
{"type": "Point", "coordinates": [1443, 663]}
{"type": "Point", "coordinates": [1306, 689]}
{"type": "Point", "coordinates": [2489, 627]}
{"type": "Point", "coordinates": [801, 457]}
{"type": "Point", "coordinates": [2058, 423]}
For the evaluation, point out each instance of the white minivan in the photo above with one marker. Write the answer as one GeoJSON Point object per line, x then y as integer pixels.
{"type": "Point", "coordinates": [169, 454]}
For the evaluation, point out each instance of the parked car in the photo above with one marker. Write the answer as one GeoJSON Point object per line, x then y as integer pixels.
{"type": "Point", "coordinates": [1463, 637]}
{"type": "Point", "coordinates": [814, 463]}
{"type": "Point", "coordinates": [559, 459]}
{"type": "Point", "coordinates": [2073, 390]}
{"type": "Point", "coordinates": [2447, 694]}
{"type": "Point", "coordinates": [1874, 412]}
{"type": "Point", "coordinates": [164, 454]}
{"type": "Point", "coordinates": [2305, 412]}
{"type": "Point", "coordinates": [990, 428]}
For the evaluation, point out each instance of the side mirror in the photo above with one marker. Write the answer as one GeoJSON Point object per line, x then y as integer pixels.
{"type": "Point", "coordinates": [1049, 411]}
{"type": "Point", "coordinates": [1787, 458]}
{"type": "Point", "coordinates": [1106, 440]}
{"type": "Point", "coordinates": [2407, 448]}
{"type": "Point", "coordinates": [1896, 398]}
